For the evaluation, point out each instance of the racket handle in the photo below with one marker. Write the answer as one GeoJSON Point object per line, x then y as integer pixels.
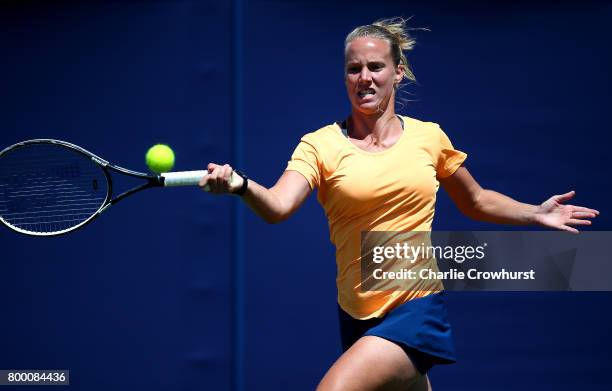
{"type": "Point", "coordinates": [183, 178]}
{"type": "Point", "coordinates": [187, 178]}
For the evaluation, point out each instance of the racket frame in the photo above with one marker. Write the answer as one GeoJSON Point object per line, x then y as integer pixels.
{"type": "Point", "coordinates": [151, 181]}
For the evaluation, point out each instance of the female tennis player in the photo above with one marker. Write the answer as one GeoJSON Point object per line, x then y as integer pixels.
{"type": "Point", "coordinates": [378, 171]}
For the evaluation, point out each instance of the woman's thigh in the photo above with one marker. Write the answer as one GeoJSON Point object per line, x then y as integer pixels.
{"type": "Point", "coordinates": [373, 363]}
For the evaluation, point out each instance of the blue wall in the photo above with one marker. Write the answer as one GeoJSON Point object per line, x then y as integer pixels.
{"type": "Point", "coordinates": [147, 297]}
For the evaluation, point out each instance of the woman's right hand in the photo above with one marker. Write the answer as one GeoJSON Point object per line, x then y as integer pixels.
{"type": "Point", "coordinates": [220, 179]}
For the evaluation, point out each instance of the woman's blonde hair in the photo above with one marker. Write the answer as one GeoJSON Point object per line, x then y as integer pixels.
{"type": "Point", "coordinates": [394, 31]}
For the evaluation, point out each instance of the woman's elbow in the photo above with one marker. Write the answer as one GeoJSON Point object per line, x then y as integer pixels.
{"type": "Point", "coordinates": [272, 219]}
{"type": "Point", "coordinates": [473, 208]}
{"type": "Point", "coordinates": [275, 218]}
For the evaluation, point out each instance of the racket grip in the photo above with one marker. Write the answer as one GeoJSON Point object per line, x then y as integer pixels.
{"type": "Point", "coordinates": [183, 178]}
{"type": "Point", "coordinates": [188, 178]}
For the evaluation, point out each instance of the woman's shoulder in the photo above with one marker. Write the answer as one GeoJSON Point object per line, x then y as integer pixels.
{"type": "Point", "coordinates": [429, 133]}
{"type": "Point", "coordinates": [419, 124]}
{"type": "Point", "coordinates": [323, 135]}
{"type": "Point", "coordinates": [329, 130]}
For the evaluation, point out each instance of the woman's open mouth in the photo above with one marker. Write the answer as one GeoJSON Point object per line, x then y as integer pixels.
{"type": "Point", "coordinates": [365, 93]}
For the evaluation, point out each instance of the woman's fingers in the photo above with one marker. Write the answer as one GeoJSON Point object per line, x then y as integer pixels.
{"type": "Point", "coordinates": [211, 166]}
{"type": "Point", "coordinates": [204, 182]}
{"type": "Point", "coordinates": [578, 222]}
{"type": "Point", "coordinates": [569, 229]}
{"type": "Point", "coordinates": [582, 209]}
{"type": "Point", "coordinates": [217, 180]}
{"type": "Point", "coordinates": [584, 214]}
{"type": "Point", "coordinates": [227, 174]}
{"type": "Point", "coordinates": [565, 197]}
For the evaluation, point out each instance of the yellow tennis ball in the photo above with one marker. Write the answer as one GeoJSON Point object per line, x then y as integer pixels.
{"type": "Point", "coordinates": [160, 158]}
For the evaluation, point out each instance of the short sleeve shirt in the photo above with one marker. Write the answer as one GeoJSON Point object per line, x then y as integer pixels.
{"type": "Point", "coordinates": [390, 190]}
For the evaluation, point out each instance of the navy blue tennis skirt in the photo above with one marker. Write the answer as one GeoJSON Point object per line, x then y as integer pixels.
{"type": "Point", "coordinates": [419, 326]}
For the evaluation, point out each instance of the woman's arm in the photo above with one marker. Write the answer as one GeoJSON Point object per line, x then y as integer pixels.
{"type": "Point", "coordinates": [274, 204]}
{"type": "Point", "coordinates": [487, 205]}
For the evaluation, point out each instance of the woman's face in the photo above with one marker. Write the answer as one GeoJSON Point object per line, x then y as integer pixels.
{"type": "Point", "coordinates": [370, 74]}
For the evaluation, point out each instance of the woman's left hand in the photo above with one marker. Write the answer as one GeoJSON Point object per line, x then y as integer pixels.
{"type": "Point", "coordinates": [554, 214]}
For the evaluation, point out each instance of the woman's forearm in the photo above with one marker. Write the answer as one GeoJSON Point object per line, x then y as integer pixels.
{"type": "Point", "coordinates": [279, 202]}
{"type": "Point", "coordinates": [273, 205]}
{"type": "Point", "coordinates": [494, 207]}
{"type": "Point", "coordinates": [264, 202]}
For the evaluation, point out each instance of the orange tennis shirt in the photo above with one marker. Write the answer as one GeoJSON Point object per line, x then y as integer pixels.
{"type": "Point", "coordinates": [392, 190]}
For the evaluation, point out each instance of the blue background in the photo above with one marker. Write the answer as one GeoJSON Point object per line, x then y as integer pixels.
{"type": "Point", "coordinates": [176, 289]}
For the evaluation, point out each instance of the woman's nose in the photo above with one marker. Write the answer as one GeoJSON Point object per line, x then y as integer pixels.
{"type": "Point", "coordinates": [365, 75]}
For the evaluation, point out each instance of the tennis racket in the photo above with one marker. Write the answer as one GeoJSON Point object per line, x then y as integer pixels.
{"type": "Point", "coordinates": [51, 187]}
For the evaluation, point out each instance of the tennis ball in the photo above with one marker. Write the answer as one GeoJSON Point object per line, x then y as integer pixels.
{"type": "Point", "coordinates": [160, 158]}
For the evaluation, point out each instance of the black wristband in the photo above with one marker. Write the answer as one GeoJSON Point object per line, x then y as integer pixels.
{"type": "Point", "coordinates": [245, 184]}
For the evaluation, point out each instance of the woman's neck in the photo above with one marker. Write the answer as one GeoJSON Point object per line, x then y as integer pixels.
{"type": "Point", "coordinates": [379, 127]}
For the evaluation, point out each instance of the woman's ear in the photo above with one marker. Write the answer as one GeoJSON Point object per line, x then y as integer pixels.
{"type": "Point", "coordinates": [399, 73]}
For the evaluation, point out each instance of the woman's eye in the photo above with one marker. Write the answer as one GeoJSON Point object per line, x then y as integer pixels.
{"type": "Point", "coordinates": [353, 70]}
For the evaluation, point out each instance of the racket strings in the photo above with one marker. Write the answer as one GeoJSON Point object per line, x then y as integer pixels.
{"type": "Point", "coordinates": [45, 188]}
